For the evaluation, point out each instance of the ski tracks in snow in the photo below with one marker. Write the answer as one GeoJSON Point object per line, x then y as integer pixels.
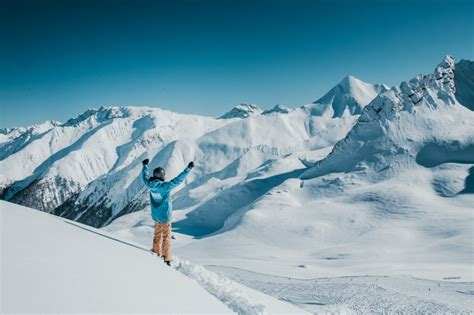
{"type": "Point", "coordinates": [224, 289]}
{"type": "Point", "coordinates": [360, 295]}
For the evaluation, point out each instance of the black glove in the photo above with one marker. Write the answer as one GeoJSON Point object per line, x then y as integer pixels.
{"type": "Point", "coordinates": [145, 161]}
{"type": "Point", "coordinates": [191, 164]}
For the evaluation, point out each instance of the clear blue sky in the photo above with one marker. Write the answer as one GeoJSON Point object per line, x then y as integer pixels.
{"type": "Point", "coordinates": [58, 58]}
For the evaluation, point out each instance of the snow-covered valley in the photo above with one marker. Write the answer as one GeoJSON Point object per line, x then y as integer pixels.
{"type": "Point", "coordinates": [361, 202]}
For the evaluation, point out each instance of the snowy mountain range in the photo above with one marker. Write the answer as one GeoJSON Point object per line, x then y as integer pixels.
{"type": "Point", "coordinates": [86, 169]}
{"type": "Point", "coordinates": [365, 178]}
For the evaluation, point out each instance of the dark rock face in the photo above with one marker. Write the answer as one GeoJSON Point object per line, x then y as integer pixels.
{"type": "Point", "coordinates": [464, 82]}
{"type": "Point", "coordinates": [45, 195]}
{"type": "Point", "coordinates": [242, 111]}
{"type": "Point", "coordinates": [95, 215]}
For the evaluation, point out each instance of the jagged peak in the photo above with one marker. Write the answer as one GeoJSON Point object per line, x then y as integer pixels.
{"type": "Point", "coordinates": [243, 110]}
{"type": "Point", "coordinates": [448, 62]}
{"type": "Point", "coordinates": [102, 114]}
{"type": "Point", "coordinates": [409, 95]}
{"type": "Point", "coordinates": [32, 128]}
{"type": "Point", "coordinates": [444, 73]}
{"type": "Point", "coordinates": [277, 109]}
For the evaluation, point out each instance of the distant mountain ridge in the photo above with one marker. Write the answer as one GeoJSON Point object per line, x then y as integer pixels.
{"type": "Point", "coordinates": [242, 111]}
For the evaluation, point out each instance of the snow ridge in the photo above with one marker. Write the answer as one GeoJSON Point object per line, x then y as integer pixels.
{"type": "Point", "coordinates": [242, 111]}
{"type": "Point", "coordinates": [102, 114]}
{"type": "Point", "coordinates": [277, 109]}
{"type": "Point", "coordinates": [413, 93]}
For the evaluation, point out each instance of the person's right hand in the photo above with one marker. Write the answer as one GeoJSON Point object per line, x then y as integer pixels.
{"type": "Point", "coordinates": [145, 161]}
{"type": "Point", "coordinates": [191, 164]}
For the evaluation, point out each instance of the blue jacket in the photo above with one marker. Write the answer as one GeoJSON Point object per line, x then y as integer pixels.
{"type": "Point", "coordinates": [160, 199]}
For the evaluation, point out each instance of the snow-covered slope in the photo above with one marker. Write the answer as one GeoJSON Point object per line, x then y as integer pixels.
{"type": "Point", "coordinates": [14, 139]}
{"type": "Point", "coordinates": [348, 97]}
{"type": "Point", "coordinates": [52, 265]}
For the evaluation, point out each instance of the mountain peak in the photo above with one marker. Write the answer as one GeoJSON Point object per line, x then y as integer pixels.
{"type": "Point", "coordinates": [102, 114]}
{"type": "Point", "coordinates": [448, 62]}
{"type": "Point", "coordinates": [350, 80]}
{"type": "Point", "coordinates": [242, 110]}
{"type": "Point", "coordinates": [350, 96]}
{"type": "Point", "coordinates": [415, 93]}
{"type": "Point", "coordinates": [277, 109]}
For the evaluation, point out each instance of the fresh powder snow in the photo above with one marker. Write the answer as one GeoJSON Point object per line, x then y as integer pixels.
{"type": "Point", "coordinates": [53, 265]}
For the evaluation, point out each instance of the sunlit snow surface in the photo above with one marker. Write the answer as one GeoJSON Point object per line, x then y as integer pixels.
{"type": "Point", "coordinates": [52, 265]}
{"type": "Point", "coordinates": [361, 294]}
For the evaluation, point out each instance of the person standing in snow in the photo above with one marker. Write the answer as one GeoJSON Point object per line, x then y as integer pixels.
{"type": "Point", "coordinates": [161, 206]}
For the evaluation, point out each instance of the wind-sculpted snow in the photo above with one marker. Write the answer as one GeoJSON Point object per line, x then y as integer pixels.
{"type": "Point", "coordinates": [434, 154]}
{"type": "Point", "coordinates": [210, 216]}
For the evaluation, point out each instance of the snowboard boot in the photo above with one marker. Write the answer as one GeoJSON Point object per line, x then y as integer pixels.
{"type": "Point", "coordinates": [168, 262]}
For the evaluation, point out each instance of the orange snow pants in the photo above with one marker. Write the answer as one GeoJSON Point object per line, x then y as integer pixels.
{"type": "Point", "coordinates": [162, 240]}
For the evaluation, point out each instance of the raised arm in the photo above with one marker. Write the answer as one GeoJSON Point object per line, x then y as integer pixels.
{"type": "Point", "coordinates": [180, 178]}
{"type": "Point", "coordinates": [146, 173]}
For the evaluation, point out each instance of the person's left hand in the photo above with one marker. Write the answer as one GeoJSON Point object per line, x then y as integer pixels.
{"type": "Point", "coordinates": [191, 164]}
